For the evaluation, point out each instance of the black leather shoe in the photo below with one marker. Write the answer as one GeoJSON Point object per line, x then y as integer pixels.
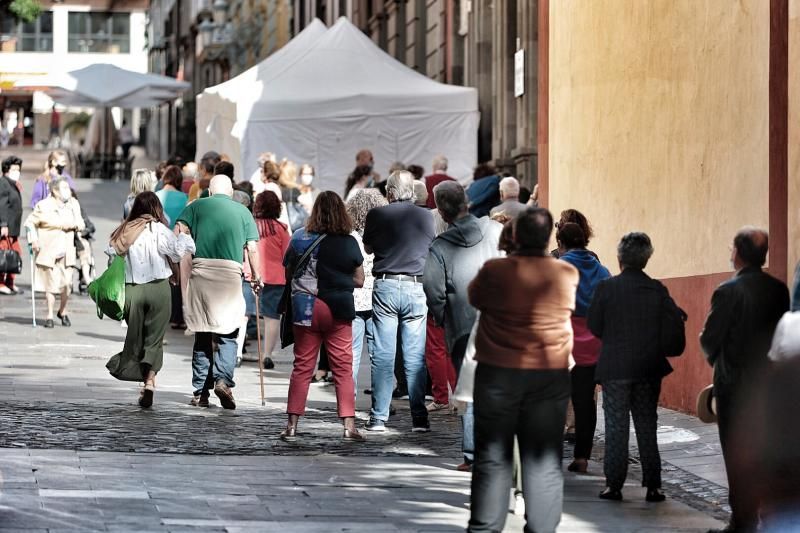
{"type": "Point", "coordinates": [654, 496]}
{"type": "Point", "coordinates": [611, 494]}
{"type": "Point", "coordinates": [49, 323]}
{"type": "Point", "coordinates": [269, 364]}
{"type": "Point", "coordinates": [64, 320]}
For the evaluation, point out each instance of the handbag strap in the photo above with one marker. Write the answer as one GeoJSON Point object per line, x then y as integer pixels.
{"type": "Point", "coordinates": [301, 263]}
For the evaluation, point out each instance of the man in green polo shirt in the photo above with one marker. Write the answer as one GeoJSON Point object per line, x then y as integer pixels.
{"type": "Point", "coordinates": [214, 305]}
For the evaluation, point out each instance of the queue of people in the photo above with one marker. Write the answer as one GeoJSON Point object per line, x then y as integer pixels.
{"type": "Point", "coordinates": [410, 270]}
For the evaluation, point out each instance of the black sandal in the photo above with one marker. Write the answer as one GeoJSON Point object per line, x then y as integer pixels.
{"type": "Point", "coordinates": [64, 320]}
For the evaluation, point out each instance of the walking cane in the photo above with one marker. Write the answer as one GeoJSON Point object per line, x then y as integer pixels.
{"type": "Point", "coordinates": [33, 278]}
{"type": "Point", "coordinates": [258, 339]}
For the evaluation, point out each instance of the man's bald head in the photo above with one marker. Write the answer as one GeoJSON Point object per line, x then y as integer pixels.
{"type": "Point", "coordinates": [221, 184]}
{"type": "Point", "coordinates": [750, 247]}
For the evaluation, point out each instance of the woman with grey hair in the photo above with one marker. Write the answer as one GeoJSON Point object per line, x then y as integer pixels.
{"type": "Point", "coordinates": [625, 313]}
{"type": "Point", "coordinates": [143, 179]}
{"type": "Point", "coordinates": [52, 226]}
{"type": "Point", "coordinates": [357, 207]}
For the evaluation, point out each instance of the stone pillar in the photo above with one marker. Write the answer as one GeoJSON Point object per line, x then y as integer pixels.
{"type": "Point", "coordinates": [504, 135]}
{"type": "Point", "coordinates": [479, 70]}
{"type": "Point", "coordinates": [524, 153]}
{"type": "Point", "coordinates": [395, 28]}
{"type": "Point", "coordinates": [435, 40]}
{"type": "Point", "coordinates": [416, 15]}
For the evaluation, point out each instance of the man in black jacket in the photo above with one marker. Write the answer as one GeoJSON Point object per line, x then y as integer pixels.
{"type": "Point", "coordinates": [736, 339]}
{"type": "Point", "coordinates": [10, 216]}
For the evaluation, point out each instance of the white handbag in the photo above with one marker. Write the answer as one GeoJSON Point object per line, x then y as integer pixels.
{"type": "Point", "coordinates": [466, 376]}
{"type": "Point", "coordinates": [786, 341]}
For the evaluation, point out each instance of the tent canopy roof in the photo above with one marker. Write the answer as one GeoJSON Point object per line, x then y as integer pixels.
{"type": "Point", "coordinates": [341, 73]}
{"type": "Point", "coordinates": [242, 87]}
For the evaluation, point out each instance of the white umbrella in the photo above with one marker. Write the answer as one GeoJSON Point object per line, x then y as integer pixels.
{"type": "Point", "coordinates": [103, 85]}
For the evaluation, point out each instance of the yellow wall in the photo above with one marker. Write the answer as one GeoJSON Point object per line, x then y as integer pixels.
{"type": "Point", "coordinates": [659, 123]}
{"type": "Point", "coordinates": [794, 135]}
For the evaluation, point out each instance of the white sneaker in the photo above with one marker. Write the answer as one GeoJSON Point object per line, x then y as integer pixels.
{"type": "Point", "coordinates": [5, 290]}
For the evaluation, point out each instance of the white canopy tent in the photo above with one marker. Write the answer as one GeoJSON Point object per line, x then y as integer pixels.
{"type": "Point", "coordinates": [338, 95]}
{"type": "Point", "coordinates": [220, 109]}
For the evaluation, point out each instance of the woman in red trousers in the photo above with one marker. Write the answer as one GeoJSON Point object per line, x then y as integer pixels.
{"type": "Point", "coordinates": [323, 264]}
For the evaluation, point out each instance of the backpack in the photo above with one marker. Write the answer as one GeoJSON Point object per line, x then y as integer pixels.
{"type": "Point", "coordinates": [672, 334]}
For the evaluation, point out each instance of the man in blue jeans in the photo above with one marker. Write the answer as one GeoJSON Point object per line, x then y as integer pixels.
{"type": "Point", "coordinates": [399, 235]}
{"type": "Point", "coordinates": [214, 304]}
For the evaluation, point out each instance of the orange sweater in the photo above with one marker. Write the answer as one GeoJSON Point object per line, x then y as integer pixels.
{"type": "Point", "coordinates": [526, 303]}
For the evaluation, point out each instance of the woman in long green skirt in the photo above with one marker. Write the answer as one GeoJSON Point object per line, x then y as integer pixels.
{"type": "Point", "coordinates": [148, 247]}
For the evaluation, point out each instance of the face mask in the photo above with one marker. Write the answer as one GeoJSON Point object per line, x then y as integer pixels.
{"type": "Point", "coordinates": [306, 179]}
{"type": "Point", "coordinates": [66, 194]}
{"type": "Point", "coordinates": [60, 169]}
{"type": "Point", "coordinates": [13, 175]}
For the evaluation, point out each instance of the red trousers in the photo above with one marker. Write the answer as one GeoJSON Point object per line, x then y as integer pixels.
{"type": "Point", "coordinates": [440, 367]}
{"type": "Point", "coordinates": [338, 338]}
{"type": "Point", "coordinates": [9, 243]}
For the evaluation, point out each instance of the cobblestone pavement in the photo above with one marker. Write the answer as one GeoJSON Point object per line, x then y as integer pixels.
{"type": "Point", "coordinates": [77, 453]}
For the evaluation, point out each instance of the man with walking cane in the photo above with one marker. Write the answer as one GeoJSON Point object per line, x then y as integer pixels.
{"type": "Point", "coordinates": [214, 303]}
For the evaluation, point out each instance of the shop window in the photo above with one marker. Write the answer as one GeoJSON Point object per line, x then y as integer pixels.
{"type": "Point", "coordinates": [99, 33]}
{"type": "Point", "coordinates": [36, 36]}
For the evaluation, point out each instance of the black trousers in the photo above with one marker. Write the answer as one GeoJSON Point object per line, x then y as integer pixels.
{"type": "Point", "coordinates": [176, 314]}
{"type": "Point", "coordinates": [731, 405]}
{"type": "Point", "coordinates": [621, 399]}
{"type": "Point", "coordinates": [531, 405]}
{"type": "Point", "coordinates": [585, 407]}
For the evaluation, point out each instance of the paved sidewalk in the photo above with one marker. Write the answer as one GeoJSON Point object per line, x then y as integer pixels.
{"type": "Point", "coordinates": [77, 453]}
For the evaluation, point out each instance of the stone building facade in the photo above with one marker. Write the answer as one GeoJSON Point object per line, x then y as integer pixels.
{"type": "Point", "coordinates": [462, 42]}
{"type": "Point", "coordinates": [253, 29]}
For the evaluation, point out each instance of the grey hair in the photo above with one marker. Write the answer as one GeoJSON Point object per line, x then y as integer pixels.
{"type": "Point", "coordinates": [634, 250]}
{"type": "Point", "coordinates": [420, 193]}
{"type": "Point", "coordinates": [54, 183]}
{"type": "Point", "coordinates": [439, 163]}
{"type": "Point", "coordinates": [142, 180]}
{"type": "Point", "coordinates": [361, 203]}
{"type": "Point", "coordinates": [396, 166]}
{"type": "Point", "coordinates": [400, 186]}
{"type": "Point", "coordinates": [509, 186]}
{"type": "Point", "coordinates": [451, 199]}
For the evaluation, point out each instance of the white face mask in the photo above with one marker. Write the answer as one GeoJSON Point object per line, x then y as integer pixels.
{"type": "Point", "coordinates": [66, 193]}
{"type": "Point", "coordinates": [13, 175]}
{"type": "Point", "coordinates": [306, 179]}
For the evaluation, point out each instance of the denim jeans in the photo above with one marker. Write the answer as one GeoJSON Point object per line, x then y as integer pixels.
{"type": "Point", "coordinates": [362, 329]}
{"type": "Point", "coordinates": [398, 306]}
{"type": "Point", "coordinates": [468, 433]}
{"type": "Point", "coordinates": [531, 405]}
{"type": "Point", "coordinates": [209, 367]}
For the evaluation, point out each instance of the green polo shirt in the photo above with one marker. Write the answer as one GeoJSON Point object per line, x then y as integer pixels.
{"type": "Point", "coordinates": [220, 227]}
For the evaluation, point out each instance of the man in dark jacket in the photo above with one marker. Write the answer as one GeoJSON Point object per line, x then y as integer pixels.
{"type": "Point", "coordinates": [736, 339]}
{"type": "Point", "coordinates": [10, 216]}
{"type": "Point", "coordinates": [453, 262]}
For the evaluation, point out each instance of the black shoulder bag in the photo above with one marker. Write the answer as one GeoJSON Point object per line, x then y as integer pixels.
{"type": "Point", "coordinates": [672, 334]}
